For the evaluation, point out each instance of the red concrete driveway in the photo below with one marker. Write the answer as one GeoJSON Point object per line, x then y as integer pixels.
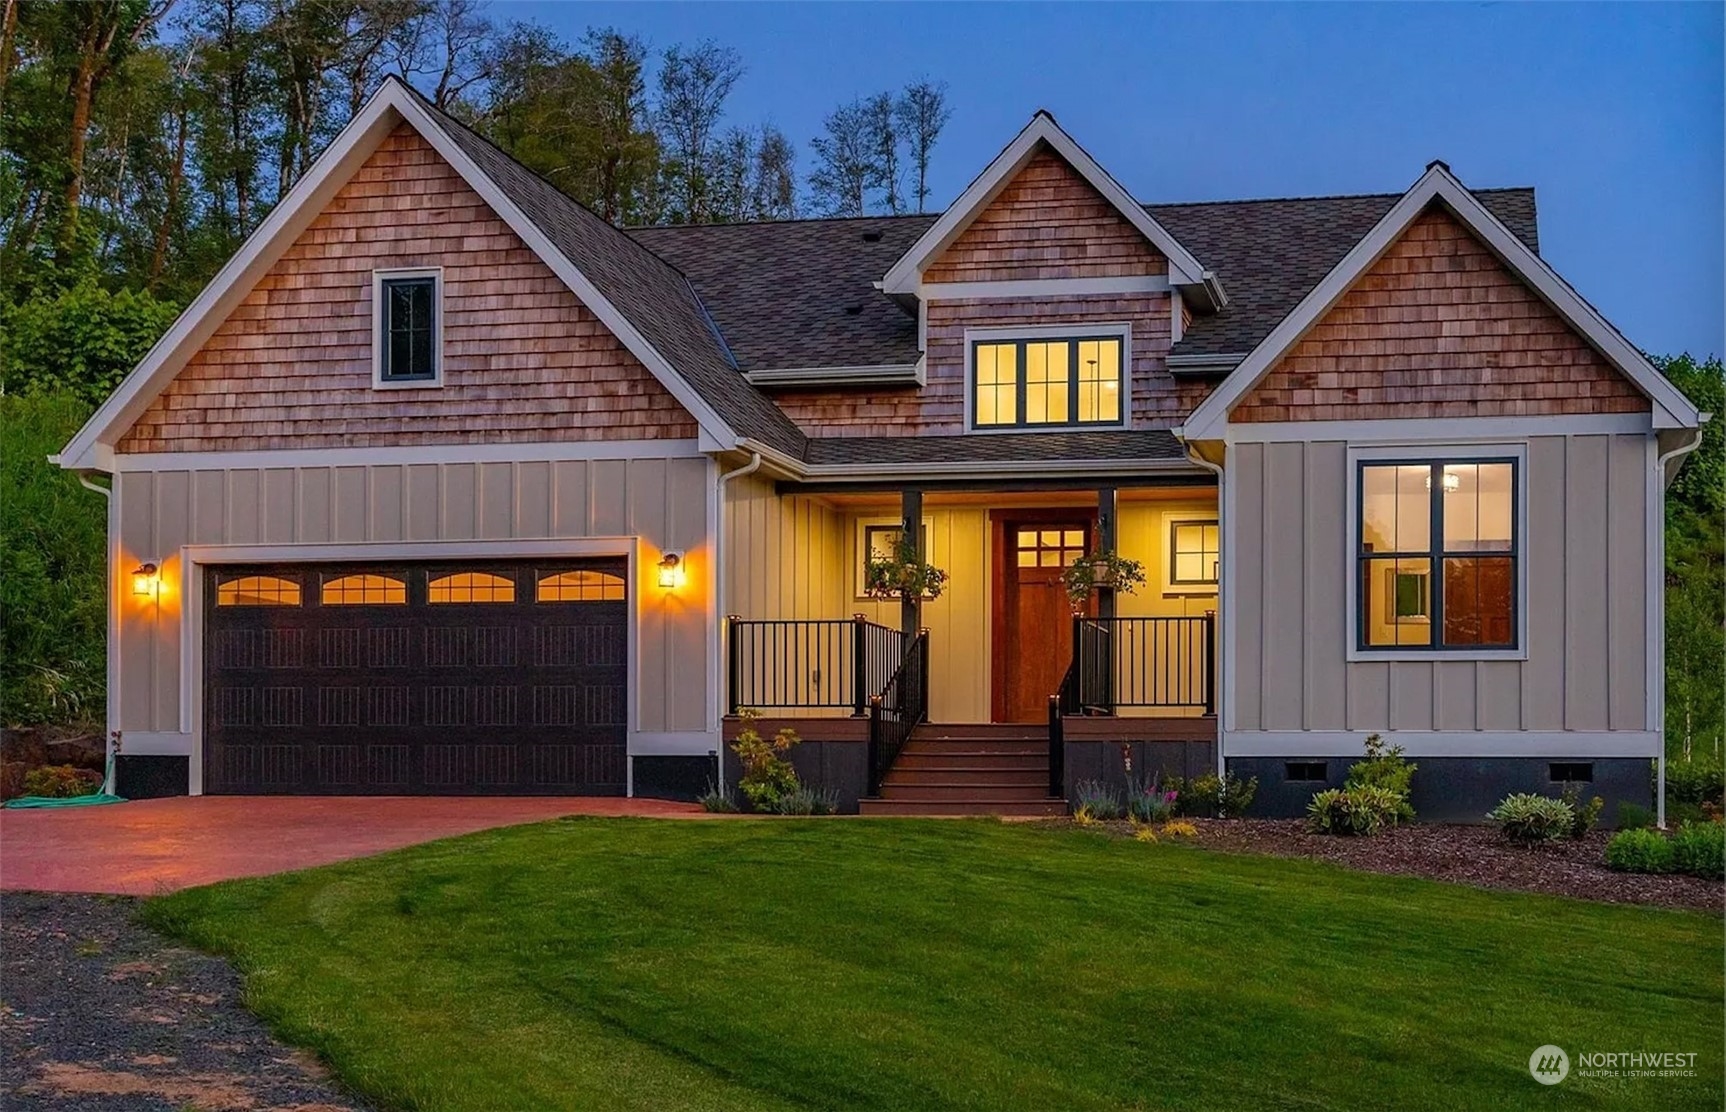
{"type": "Point", "coordinates": [158, 845]}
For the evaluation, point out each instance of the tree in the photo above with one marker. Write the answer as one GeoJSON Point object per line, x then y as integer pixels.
{"type": "Point", "coordinates": [922, 112]}
{"type": "Point", "coordinates": [884, 144]}
{"type": "Point", "coordinates": [693, 86]}
{"type": "Point", "coordinates": [773, 186]}
{"type": "Point", "coordinates": [846, 163]}
{"type": "Point", "coordinates": [458, 42]}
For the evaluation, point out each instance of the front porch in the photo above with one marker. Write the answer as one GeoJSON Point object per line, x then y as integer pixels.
{"type": "Point", "coordinates": [995, 695]}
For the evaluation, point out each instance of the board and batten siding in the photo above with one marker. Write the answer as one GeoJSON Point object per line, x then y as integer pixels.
{"type": "Point", "coordinates": [1585, 551]}
{"type": "Point", "coordinates": [663, 501]}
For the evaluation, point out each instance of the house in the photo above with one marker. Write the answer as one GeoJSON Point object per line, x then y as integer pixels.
{"type": "Point", "coordinates": [445, 485]}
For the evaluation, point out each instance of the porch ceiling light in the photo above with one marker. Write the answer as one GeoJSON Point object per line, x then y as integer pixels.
{"type": "Point", "coordinates": [671, 570]}
{"type": "Point", "coordinates": [145, 578]}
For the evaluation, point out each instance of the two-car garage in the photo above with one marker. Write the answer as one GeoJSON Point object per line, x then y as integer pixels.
{"type": "Point", "coordinates": [452, 678]}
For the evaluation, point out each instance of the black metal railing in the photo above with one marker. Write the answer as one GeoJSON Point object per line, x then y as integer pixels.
{"type": "Point", "coordinates": [783, 664]}
{"type": "Point", "coordinates": [1141, 662]}
{"type": "Point", "coordinates": [902, 704]}
{"type": "Point", "coordinates": [1057, 749]}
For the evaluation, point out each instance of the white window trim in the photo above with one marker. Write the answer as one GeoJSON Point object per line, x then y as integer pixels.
{"type": "Point", "coordinates": [379, 277]}
{"type": "Point", "coordinates": [1165, 524]}
{"type": "Point", "coordinates": [974, 336]}
{"type": "Point", "coordinates": [1443, 453]}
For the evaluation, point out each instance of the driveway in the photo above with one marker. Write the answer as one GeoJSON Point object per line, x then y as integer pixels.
{"type": "Point", "coordinates": [159, 845]}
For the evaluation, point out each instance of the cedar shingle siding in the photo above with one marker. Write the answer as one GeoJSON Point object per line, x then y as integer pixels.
{"type": "Point", "coordinates": [1438, 327]}
{"type": "Point", "coordinates": [1047, 223]}
{"type": "Point", "coordinates": [524, 360]}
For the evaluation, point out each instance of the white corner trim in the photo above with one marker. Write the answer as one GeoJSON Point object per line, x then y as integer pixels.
{"type": "Point", "coordinates": [1086, 330]}
{"type": "Point", "coordinates": [1559, 744]}
{"type": "Point", "coordinates": [885, 374]}
{"type": "Point", "coordinates": [1428, 450]}
{"type": "Point", "coordinates": [1043, 287]}
{"type": "Point", "coordinates": [380, 328]}
{"type": "Point", "coordinates": [1671, 408]}
{"type": "Point", "coordinates": [1414, 431]}
{"type": "Point", "coordinates": [398, 455]}
{"type": "Point", "coordinates": [693, 743]}
{"type": "Point", "coordinates": [155, 743]}
{"type": "Point", "coordinates": [906, 274]}
{"type": "Point", "coordinates": [391, 104]}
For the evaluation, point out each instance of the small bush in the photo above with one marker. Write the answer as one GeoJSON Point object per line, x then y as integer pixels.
{"type": "Point", "coordinates": [1358, 811]}
{"type": "Point", "coordinates": [1227, 797]}
{"type": "Point", "coordinates": [767, 776]}
{"type": "Point", "coordinates": [1533, 819]}
{"type": "Point", "coordinates": [808, 801]}
{"type": "Point", "coordinates": [1699, 848]}
{"type": "Point", "coordinates": [1178, 829]}
{"type": "Point", "coordinates": [1639, 851]}
{"type": "Point", "coordinates": [716, 801]}
{"type": "Point", "coordinates": [1098, 800]}
{"type": "Point", "coordinates": [61, 782]}
{"type": "Point", "coordinates": [1587, 814]}
{"type": "Point", "coordinates": [1385, 768]}
{"type": "Point", "coordinates": [1633, 817]}
{"type": "Point", "coordinates": [1694, 782]}
{"type": "Point", "coordinates": [1152, 802]}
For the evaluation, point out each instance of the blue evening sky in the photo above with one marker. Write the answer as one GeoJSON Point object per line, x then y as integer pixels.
{"type": "Point", "coordinates": [1614, 113]}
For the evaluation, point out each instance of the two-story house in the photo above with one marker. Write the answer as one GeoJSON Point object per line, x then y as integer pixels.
{"type": "Point", "coordinates": [445, 485]}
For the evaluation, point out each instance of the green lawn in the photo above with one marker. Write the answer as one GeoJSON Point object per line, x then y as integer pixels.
{"type": "Point", "coordinates": [636, 964]}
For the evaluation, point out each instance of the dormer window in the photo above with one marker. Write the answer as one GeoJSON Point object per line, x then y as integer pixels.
{"type": "Point", "coordinates": [1052, 380]}
{"type": "Point", "coordinates": [409, 329]}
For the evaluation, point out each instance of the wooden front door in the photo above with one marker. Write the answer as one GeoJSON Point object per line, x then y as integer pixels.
{"type": "Point", "coordinates": [1033, 623]}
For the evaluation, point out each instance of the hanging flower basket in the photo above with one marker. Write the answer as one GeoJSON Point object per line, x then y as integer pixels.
{"type": "Point", "coordinates": [1105, 570]}
{"type": "Point", "coordinates": [903, 575]}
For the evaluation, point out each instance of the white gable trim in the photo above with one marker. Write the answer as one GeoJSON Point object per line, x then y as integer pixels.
{"type": "Point", "coordinates": [1671, 408]}
{"type": "Point", "coordinates": [92, 447]}
{"type": "Point", "coordinates": [906, 273]}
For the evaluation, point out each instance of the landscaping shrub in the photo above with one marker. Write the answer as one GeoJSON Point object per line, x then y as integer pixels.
{"type": "Point", "coordinates": [1634, 817]}
{"type": "Point", "coordinates": [803, 800]}
{"type": "Point", "coordinates": [1227, 797]}
{"type": "Point", "coordinates": [1533, 819]}
{"type": "Point", "coordinates": [1152, 802]}
{"type": "Point", "coordinates": [1361, 810]}
{"type": "Point", "coordinates": [767, 776]}
{"type": "Point", "coordinates": [1699, 848]}
{"type": "Point", "coordinates": [62, 781]}
{"type": "Point", "coordinates": [1097, 800]}
{"type": "Point", "coordinates": [716, 801]}
{"type": "Point", "coordinates": [1639, 851]}
{"type": "Point", "coordinates": [1586, 814]}
{"type": "Point", "coordinates": [1695, 782]}
{"type": "Point", "coordinates": [1384, 768]}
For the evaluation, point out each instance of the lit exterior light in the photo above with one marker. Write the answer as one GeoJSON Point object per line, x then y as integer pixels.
{"type": "Point", "coordinates": [145, 577]}
{"type": "Point", "coordinates": [1451, 482]}
{"type": "Point", "coordinates": [671, 570]}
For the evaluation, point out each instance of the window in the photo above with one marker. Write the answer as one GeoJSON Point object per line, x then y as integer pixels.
{"type": "Point", "coordinates": [879, 540]}
{"type": "Point", "coordinates": [1193, 552]}
{"type": "Point", "coordinates": [258, 590]}
{"type": "Point", "coordinates": [580, 586]}
{"type": "Point", "coordinates": [1305, 771]}
{"type": "Point", "coordinates": [1040, 547]}
{"type": "Point", "coordinates": [365, 590]}
{"type": "Point", "coordinates": [1437, 554]}
{"type": "Point", "coordinates": [1571, 772]}
{"type": "Point", "coordinates": [1044, 382]}
{"type": "Point", "coordinates": [470, 586]}
{"type": "Point", "coordinates": [409, 332]}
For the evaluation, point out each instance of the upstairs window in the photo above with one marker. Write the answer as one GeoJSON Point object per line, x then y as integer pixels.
{"type": "Point", "coordinates": [1438, 550]}
{"type": "Point", "coordinates": [1047, 382]}
{"type": "Point", "coordinates": [409, 331]}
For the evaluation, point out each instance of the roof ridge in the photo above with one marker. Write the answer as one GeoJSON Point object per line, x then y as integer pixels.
{"type": "Point", "coordinates": [1320, 197]}
{"type": "Point", "coordinates": [631, 229]}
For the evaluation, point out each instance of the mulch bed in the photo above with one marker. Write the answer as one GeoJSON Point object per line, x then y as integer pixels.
{"type": "Point", "coordinates": [1477, 855]}
{"type": "Point", "coordinates": [98, 1013]}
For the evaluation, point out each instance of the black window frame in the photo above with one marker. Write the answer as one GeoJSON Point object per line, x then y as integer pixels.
{"type": "Point", "coordinates": [1436, 554]}
{"type": "Point", "coordinates": [1175, 579]}
{"type": "Point", "coordinates": [1073, 340]}
{"type": "Point", "coordinates": [1569, 770]}
{"type": "Point", "coordinates": [1300, 772]}
{"type": "Point", "coordinates": [387, 284]}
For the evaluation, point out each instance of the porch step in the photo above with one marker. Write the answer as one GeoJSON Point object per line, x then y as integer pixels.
{"type": "Point", "coordinates": [984, 731]}
{"type": "Point", "coordinates": [945, 747]}
{"type": "Point", "coordinates": [1038, 808]}
{"type": "Point", "coordinates": [960, 777]}
{"type": "Point", "coordinates": [968, 791]}
{"type": "Point", "coordinates": [922, 761]}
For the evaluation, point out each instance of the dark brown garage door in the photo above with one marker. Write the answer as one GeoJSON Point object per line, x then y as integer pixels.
{"type": "Point", "coordinates": [461, 678]}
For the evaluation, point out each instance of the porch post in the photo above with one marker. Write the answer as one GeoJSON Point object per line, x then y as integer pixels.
{"type": "Point", "coordinates": [1105, 543]}
{"type": "Point", "coordinates": [911, 526]}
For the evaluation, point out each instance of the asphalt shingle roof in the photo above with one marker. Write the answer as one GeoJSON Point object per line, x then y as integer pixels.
{"type": "Point", "coordinates": [1137, 444]}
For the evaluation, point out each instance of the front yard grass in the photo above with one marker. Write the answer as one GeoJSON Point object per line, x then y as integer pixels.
{"type": "Point", "coordinates": [638, 964]}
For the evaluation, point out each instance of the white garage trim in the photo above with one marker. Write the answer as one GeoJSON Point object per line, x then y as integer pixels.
{"type": "Point", "coordinates": [1435, 743]}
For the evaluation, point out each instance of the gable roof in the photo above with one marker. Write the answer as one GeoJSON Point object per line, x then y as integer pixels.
{"type": "Point", "coordinates": [1439, 186]}
{"type": "Point", "coordinates": [643, 300]}
{"type": "Point", "coordinates": [1184, 269]}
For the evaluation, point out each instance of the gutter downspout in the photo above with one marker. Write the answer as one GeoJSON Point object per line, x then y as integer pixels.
{"type": "Point", "coordinates": [719, 555]}
{"type": "Point", "coordinates": [112, 742]}
{"type": "Point", "coordinates": [1659, 601]}
{"type": "Point", "coordinates": [1222, 557]}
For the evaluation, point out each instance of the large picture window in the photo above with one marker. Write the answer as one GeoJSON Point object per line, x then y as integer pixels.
{"type": "Point", "coordinates": [1038, 383]}
{"type": "Point", "coordinates": [1437, 554]}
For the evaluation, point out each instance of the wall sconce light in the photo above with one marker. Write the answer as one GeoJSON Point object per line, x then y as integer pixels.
{"type": "Point", "coordinates": [145, 577]}
{"type": "Point", "coordinates": [671, 570]}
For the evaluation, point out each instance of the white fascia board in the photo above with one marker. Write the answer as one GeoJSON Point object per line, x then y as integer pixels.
{"type": "Point", "coordinates": [388, 455]}
{"type": "Point", "coordinates": [1671, 408]}
{"type": "Point", "coordinates": [786, 467]}
{"type": "Point", "coordinates": [390, 105]}
{"type": "Point", "coordinates": [905, 274]}
{"type": "Point", "coordinates": [886, 374]}
{"type": "Point", "coordinates": [1557, 744]}
{"type": "Point", "coordinates": [1449, 430]}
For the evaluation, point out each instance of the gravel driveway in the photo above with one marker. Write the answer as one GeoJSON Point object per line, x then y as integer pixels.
{"type": "Point", "coordinates": [97, 1013]}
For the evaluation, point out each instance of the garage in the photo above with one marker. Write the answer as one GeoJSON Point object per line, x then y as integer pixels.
{"type": "Point", "coordinates": [451, 678]}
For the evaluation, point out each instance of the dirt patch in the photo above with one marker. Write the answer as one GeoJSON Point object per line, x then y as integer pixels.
{"type": "Point", "coordinates": [1477, 855]}
{"type": "Point", "coordinates": [100, 1014]}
